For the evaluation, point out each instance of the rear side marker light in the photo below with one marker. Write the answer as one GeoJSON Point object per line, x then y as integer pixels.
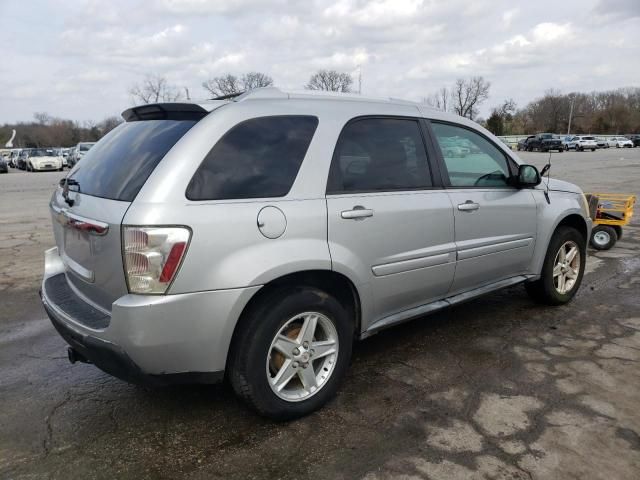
{"type": "Point", "coordinates": [152, 256]}
{"type": "Point", "coordinates": [173, 261]}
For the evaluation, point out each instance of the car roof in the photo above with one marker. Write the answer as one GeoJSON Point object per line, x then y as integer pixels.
{"type": "Point", "coordinates": [310, 96]}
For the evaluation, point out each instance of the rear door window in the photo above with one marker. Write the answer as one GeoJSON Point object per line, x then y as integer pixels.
{"type": "Point", "coordinates": [118, 165]}
{"type": "Point", "coordinates": [258, 158]}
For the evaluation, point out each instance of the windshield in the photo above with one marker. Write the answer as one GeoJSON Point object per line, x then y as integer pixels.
{"type": "Point", "coordinates": [546, 135]}
{"type": "Point", "coordinates": [119, 164]}
{"type": "Point", "coordinates": [587, 138]}
{"type": "Point", "coordinates": [85, 147]}
{"type": "Point", "coordinates": [41, 152]}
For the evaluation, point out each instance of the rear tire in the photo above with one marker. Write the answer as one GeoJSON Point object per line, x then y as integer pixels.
{"type": "Point", "coordinates": [603, 237]}
{"type": "Point", "coordinates": [255, 363]}
{"type": "Point", "coordinates": [550, 288]}
{"type": "Point", "coordinates": [618, 230]}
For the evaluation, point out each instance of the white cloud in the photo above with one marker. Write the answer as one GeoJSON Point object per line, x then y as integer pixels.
{"type": "Point", "coordinates": [407, 48]}
{"type": "Point", "coordinates": [377, 13]}
{"type": "Point", "coordinates": [550, 32]}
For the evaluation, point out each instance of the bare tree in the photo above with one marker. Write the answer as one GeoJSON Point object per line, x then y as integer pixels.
{"type": "Point", "coordinates": [223, 85]}
{"type": "Point", "coordinates": [229, 84]}
{"type": "Point", "coordinates": [468, 94]}
{"type": "Point", "coordinates": [508, 108]}
{"type": "Point", "coordinates": [252, 80]}
{"type": "Point", "coordinates": [43, 118]}
{"type": "Point", "coordinates": [109, 124]}
{"type": "Point", "coordinates": [154, 89]}
{"type": "Point", "coordinates": [440, 99]}
{"type": "Point", "coordinates": [330, 80]}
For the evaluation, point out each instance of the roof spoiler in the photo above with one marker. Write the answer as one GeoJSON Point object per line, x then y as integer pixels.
{"type": "Point", "coordinates": [164, 111]}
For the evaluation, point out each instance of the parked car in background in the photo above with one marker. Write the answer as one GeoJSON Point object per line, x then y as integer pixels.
{"type": "Point", "coordinates": [62, 153]}
{"type": "Point", "coordinates": [602, 142]}
{"type": "Point", "coordinates": [620, 142]}
{"type": "Point", "coordinates": [544, 142]}
{"type": "Point", "coordinates": [65, 156]}
{"type": "Point", "coordinates": [522, 144]}
{"type": "Point", "coordinates": [13, 158]}
{"type": "Point", "coordinates": [79, 151]}
{"type": "Point", "coordinates": [337, 219]}
{"type": "Point", "coordinates": [22, 158]}
{"type": "Point", "coordinates": [580, 143]}
{"type": "Point", "coordinates": [456, 148]}
{"type": "Point", "coordinates": [4, 165]}
{"type": "Point", "coordinates": [635, 138]}
{"type": "Point", "coordinates": [71, 157]}
{"type": "Point", "coordinates": [541, 142]}
{"type": "Point", "coordinates": [43, 159]}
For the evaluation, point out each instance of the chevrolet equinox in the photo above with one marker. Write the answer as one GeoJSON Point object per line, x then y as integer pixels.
{"type": "Point", "coordinates": [257, 237]}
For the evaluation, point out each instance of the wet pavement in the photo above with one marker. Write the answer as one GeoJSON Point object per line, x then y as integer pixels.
{"type": "Point", "coordinates": [497, 388]}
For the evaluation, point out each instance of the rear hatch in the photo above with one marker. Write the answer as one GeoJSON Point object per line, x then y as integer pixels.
{"type": "Point", "coordinates": [90, 203]}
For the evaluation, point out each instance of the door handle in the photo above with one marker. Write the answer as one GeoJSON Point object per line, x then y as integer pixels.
{"type": "Point", "coordinates": [468, 206]}
{"type": "Point", "coordinates": [357, 213]}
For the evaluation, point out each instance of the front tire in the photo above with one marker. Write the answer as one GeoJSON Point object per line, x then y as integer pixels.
{"type": "Point", "coordinates": [562, 269]}
{"type": "Point", "coordinates": [603, 237]}
{"type": "Point", "coordinates": [291, 352]}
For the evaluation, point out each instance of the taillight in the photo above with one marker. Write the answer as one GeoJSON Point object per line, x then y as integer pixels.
{"type": "Point", "coordinates": [152, 256]}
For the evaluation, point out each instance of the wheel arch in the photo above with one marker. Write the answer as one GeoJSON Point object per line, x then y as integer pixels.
{"type": "Point", "coordinates": [576, 221]}
{"type": "Point", "coordinates": [330, 281]}
{"type": "Point", "coordinates": [569, 217]}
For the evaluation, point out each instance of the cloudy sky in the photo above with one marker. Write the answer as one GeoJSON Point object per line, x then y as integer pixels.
{"type": "Point", "coordinates": [78, 58]}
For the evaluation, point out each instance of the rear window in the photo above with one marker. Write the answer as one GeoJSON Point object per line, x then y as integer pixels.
{"type": "Point", "coordinates": [258, 158]}
{"type": "Point", "coordinates": [118, 165]}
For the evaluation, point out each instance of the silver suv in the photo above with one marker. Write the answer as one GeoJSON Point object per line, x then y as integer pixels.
{"type": "Point", "coordinates": [260, 236]}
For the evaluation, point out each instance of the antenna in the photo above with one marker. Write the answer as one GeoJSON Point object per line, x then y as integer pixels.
{"type": "Point", "coordinates": [546, 169]}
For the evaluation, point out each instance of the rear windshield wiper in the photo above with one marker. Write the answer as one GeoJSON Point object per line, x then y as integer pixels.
{"type": "Point", "coordinates": [65, 183]}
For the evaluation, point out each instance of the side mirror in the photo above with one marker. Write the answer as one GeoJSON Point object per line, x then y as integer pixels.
{"type": "Point", "coordinates": [528, 176]}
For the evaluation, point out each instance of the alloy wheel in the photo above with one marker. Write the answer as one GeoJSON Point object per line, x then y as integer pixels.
{"type": "Point", "coordinates": [566, 267]}
{"type": "Point", "coordinates": [302, 356]}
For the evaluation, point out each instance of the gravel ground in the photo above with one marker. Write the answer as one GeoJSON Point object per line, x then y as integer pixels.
{"type": "Point", "coordinates": [496, 388]}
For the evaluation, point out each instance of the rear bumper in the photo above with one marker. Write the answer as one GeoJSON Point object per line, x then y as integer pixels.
{"type": "Point", "coordinates": [148, 339]}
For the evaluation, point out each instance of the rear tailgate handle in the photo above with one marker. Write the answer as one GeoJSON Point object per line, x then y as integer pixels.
{"type": "Point", "coordinates": [468, 206]}
{"type": "Point", "coordinates": [77, 222]}
{"type": "Point", "coordinates": [358, 212]}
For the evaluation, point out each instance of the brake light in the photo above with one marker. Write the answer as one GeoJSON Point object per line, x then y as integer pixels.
{"type": "Point", "coordinates": [152, 256]}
